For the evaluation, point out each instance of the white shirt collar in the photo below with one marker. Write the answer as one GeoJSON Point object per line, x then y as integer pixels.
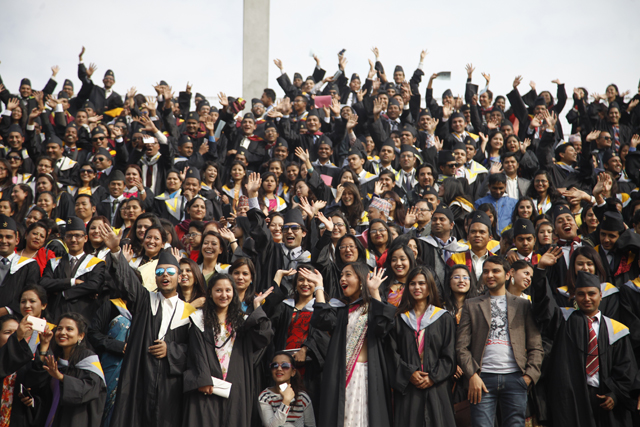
{"type": "Point", "coordinates": [170, 301]}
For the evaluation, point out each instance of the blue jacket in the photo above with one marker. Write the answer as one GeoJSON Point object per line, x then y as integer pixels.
{"type": "Point", "coordinates": [504, 208]}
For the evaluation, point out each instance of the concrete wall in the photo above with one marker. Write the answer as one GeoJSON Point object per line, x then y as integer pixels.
{"type": "Point", "coordinates": [255, 49]}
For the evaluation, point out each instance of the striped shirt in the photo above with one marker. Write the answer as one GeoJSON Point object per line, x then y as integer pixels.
{"type": "Point", "coordinates": [274, 413]}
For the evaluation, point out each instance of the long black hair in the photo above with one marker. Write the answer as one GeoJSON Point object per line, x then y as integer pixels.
{"type": "Point", "coordinates": [41, 293]}
{"type": "Point", "coordinates": [295, 381]}
{"type": "Point", "coordinates": [408, 302]}
{"type": "Point", "coordinates": [450, 302]}
{"type": "Point", "coordinates": [235, 315]}
{"type": "Point", "coordinates": [399, 244]}
{"type": "Point", "coordinates": [362, 252]}
{"type": "Point", "coordinates": [198, 280]}
{"type": "Point", "coordinates": [362, 271]}
{"type": "Point", "coordinates": [370, 244]}
{"type": "Point", "coordinates": [250, 293]}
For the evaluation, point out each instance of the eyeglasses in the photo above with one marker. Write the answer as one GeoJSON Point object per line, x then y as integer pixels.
{"type": "Point", "coordinates": [14, 158]}
{"type": "Point", "coordinates": [450, 165]}
{"type": "Point", "coordinates": [189, 235]}
{"type": "Point", "coordinates": [467, 278]}
{"type": "Point", "coordinates": [423, 210]}
{"type": "Point", "coordinates": [99, 159]}
{"type": "Point", "coordinates": [606, 138]}
{"type": "Point", "coordinates": [98, 138]}
{"type": "Point", "coordinates": [292, 228]}
{"type": "Point", "coordinates": [73, 236]}
{"type": "Point", "coordinates": [86, 171]}
{"type": "Point", "coordinates": [171, 271]}
{"type": "Point", "coordinates": [345, 247]}
{"type": "Point", "coordinates": [284, 365]}
{"type": "Point", "coordinates": [407, 156]}
{"type": "Point", "coordinates": [136, 138]}
{"type": "Point", "coordinates": [380, 231]}
{"type": "Point", "coordinates": [338, 224]}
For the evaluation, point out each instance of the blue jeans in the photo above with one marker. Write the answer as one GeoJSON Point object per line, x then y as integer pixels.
{"type": "Point", "coordinates": [508, 389]}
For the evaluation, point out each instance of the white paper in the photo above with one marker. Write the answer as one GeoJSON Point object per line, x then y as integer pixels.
{"type": "Point", "coordinates": [283, 386]}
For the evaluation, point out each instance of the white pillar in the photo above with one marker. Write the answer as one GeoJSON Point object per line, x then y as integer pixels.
{"type": "Point", "coordinates": [255, 49]}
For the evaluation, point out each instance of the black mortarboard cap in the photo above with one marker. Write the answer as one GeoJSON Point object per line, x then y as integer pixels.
{"type": "Point", "coordinates": [523, 226]}
{"type": "Point", "coordinates": [408, 128]}
{"type": "Point", "coordinates": [482, 218]}
{"type": "Point", "coordinates": [53, 139]}
{"type": "Point", "coordinates": [587, 280]}
{"type": "Point", "coordinates": [444, 210]}
{"type": "Point", "coordinates": [389, 143]}
{"type": "Point", "coordinates": [459, 146]}
{"type": "Point", "coordinates": [465, 107]}
{"type": "Point", "coordinates": [612, 221]}
{"type": "Point", "coordinates": [67, 82]}
{"type": "Point", "coordinates": [193, 116]}
{"type": "Point", "coordinates": [447, 93]}
{"type": "Point", "coordinates": [164, 83]}
{"type": "Point", "coordinates": [406, 147]}
{"type": "Point", "coordinates": [540, 101]}
{"type": "Point", "coordinates": [470, 141]}
{"type": "Point", "coordinates": [445, 156]}
{"type": "Point", "coordinates": [281, 142]}
{"type": "Point", "coordinates": [7, 223]}
{"type": "Point", "coordinates": [394, 101]}
{"type": "Point", "coordinates": [73, 223]}
{"type": "Point", "coordinates": [355, 76]}
{"type": "Point", "coordinates": [429, 190]}
{"type": "Point", "coordinates": [63, 94]}
{"type": "Point", "coordinates": [293, 216]}
{"type": "Point", "coordinates": [608, 155]}
{"type": "Point", "coordinates": [203, 103]}
{"type": "Point", "coordinates": [88, 104]}
{"type": "Point", "coordinates": [103, 151]}
{"type": "Point", "coordinates": [15, 128]}
{"type": "Point", "coordinates": [109, 73]}
{"type": "Point", "coordinates": [325, 141]}
{"type": "Point", "coordinates": [184, 139]}
{"type": "Point", "coordinates": [313, 112]}
{"type": "Point", "coordinates": [249, 115]}
{"type": "Point", "coordinates": [270, 125]}
{"type": "Point", "coordinates": [456, 115]}
{"type": "Point", "coordinates": [199, 95]}
{"type": "Point", "coordinates": [167, 258]}
{"type": "Point", "coordinates": [116, 175]}
{"type": "Point", "coordinates": [297, 76]}
{"type": "Point", "coordinates": [614, 105]}
{"type": "Point", "coordinates": [398, 68]}
{"type": "Point", "coordinates": [560, 210]}
{"type": "Point", "coordinates": [424, 113]}
{"type": "Point", "coordinates": [193, 173]}
{"type": "Point", "coordinates": [357, 151]}
{"type": "Point", "coordinates": [25, 81]}
{"type": "Point", "coordinates": [255, 101]}
{"type": "Point", "coordinates": [97, 131]}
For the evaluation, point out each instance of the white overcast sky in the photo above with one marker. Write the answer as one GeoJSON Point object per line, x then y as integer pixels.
{"type": "Point", "coordinates": [583, 43]}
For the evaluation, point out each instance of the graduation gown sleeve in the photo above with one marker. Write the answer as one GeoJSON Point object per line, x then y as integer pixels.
{"type": "Point", "coordinates": [13, 355]}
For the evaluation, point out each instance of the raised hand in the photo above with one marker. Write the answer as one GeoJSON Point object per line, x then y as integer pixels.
{"type": "Point", "coordinates": [378, 188]}
{"type": "Point", "coordinates": [253, 185]}
{"type": "Point", "coordinates": [423, 54]}
{"type": "Point", "coordinates": [410, 217]}
{"type": "Point", "coordinates": [54, 70]}
{"type": "Point", "coordinates": [222, 98]}
{"type": "Point", "coordinates": [306, 207]}
{"type": "Point", "coordinates": [360, 94]}
{"type": "Point", "coordinates": [633, 104]}
{"type": "Point", "coordinates": [470, 69]}
{"type": "Point", "coordinates": [92, 69]}
{"type": "Point", "coordinates": [377, 106]}
{"type": "Point", "coordinates": [176, 253]}
{"type": "Point", "coordinates": [301, 154]}
{"type": "Point", "coordinates": [34, 113]}
{"type": "Point", "coordinates": [335, 107]}
{"type": "Point", "coordinates": [52, 367]}
{"type": "Point", "coordinates": [81, 54]}
{"type": "Point", "coordinates": [447, 111]}
{"type": "Point", "coordinates": [550, 257]}
{"type": "Point", "coordinates": [517, 81]}
{"type": "Point", "coordinates": [532, 85]}
{"type": "Point", "coordinates": [313, 276]}
{"type": "Point", "coordinates": [12, 104]}
{"type": "Point", "coordinates": [556, 81]}
{"type": "Point", "coordinates": [353, 121]}
{"type": "Point", "coordinates": [131, 92]}
{"type": "Point", "coordinates": [438, 143]}
{"type": "Point", "coordinates": [525, 144]}
{"type": "Point", "coordinates": [374, 281]}
{"type": "Point", "coordinates": [257, 301]}
{"type": "Point", "coordinates": [550, 119]}
{"type": "Point", "coordinates": [278, 63]}
{"type": "Point", "coordinates": [328, 222]}
{"type": "Point", "coordinates": [635, 140]}
{"type": "Point", "coordinates": [188, 88]}
{"type": "Point", "coordinates": [280, 274]}
{"type": "Point", "coordinates": [593, 135]}
{"type": "Point", "coordinates": [536, 121]}
{"type": "Point", "coordinates": [495, 168]}
{"type": "Point", "coordinates": [376, 52]}
{"type": "Point", "coordinates": [342, 62]}
{"type": "Point", "coordinates": [487, 77]}
{"type": "Point", "coordinates": [227, 234]}
{"type": "Point", "coordinates": [339, 191]}
{"type": "Point", "coordinates": [577, 93]}
{"type": "Point", "coordinates": [109, 237]}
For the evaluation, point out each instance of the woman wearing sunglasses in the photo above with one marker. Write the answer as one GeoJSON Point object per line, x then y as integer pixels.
{"type": "Point", "coordinates": [87, 183]}
{"type": "Point", "coordinates": [19, 174]}
{"type": "Point", "coordinates": [285, 404]}
{"type": "Point", "coordinates": [222, 350]}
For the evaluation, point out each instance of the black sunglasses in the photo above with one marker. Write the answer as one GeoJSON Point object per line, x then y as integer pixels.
{"type": "Point", "coordinates": [284, 365]}
{"type": "Point", "coordinates": [98, 138]}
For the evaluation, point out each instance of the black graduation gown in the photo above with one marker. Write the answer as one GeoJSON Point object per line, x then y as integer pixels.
{"type": "Point", "coordinates": [431, 406]}
{"type": "Point", "coordinates": [568, 395]}
{"type": "Point", "coordinates": [630, 312]}
{"type": "Point", "coordinates": [80, 298]}
{"type": "Point", "coordinates": [332, 398]}
{"type": "Point", "coordinates": [281, 311]}
{"type": "Point", "coordinates": [200, 410]}
{"type": "Point", "coordinates": [149, 389]}
{"type": "Point", "coordinates": [82, 393]}
{"type": "Point", "coordinates": [14, 355]}
{"type": "Point", "coordinates": [17, 277]}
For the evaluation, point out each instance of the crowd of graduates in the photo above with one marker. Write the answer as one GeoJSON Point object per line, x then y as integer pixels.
{"type": "Point", "coordinates": [354, 253]}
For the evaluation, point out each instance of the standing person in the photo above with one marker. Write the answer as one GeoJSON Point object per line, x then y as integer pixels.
{"type": "Point", "coordinates": [74, 280]}
{"type": "Point", "coordinates": [424, 342]}
{"type": "Point", "coordinates": [592, 363]}
{"type": "Point", "coordinates": [223, 348]}
{"type": "Point", "coordinates": [16, 272]}
{"type": "Point", "coordinates": [77, 384]}
{"type": "Point", "coordinates": [499, 349]}
{"type": "Point", "coordinates": [355, 384]}
{"type": "Point", "coordinates": [150, 386]}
